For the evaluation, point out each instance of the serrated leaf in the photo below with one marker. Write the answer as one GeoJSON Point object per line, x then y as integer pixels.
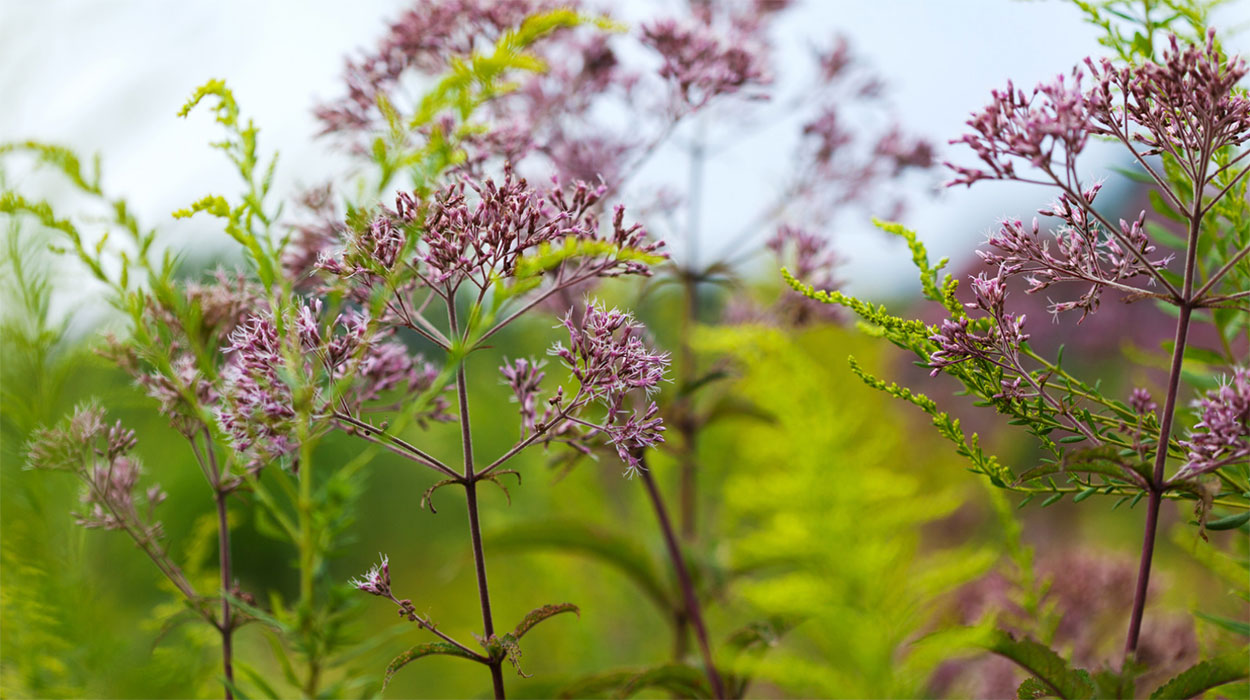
{"type": "Point", "coordinates": [421, 651]}
{"type": "Point", "coordinates": [1031, 689]}
{"type": "Point", "coordinates": [537, 615]}
{"type": "Point", "coordinates": [1040, 661]}
{"type": "Point", "coordinates": [1205, 675]}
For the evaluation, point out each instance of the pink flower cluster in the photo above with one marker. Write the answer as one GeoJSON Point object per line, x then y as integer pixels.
{"type": "Point", "coordinates": [377, 580]}
{"type": "Point", "coordinates": [1222, 436]}
{"type": "Point", "coordinates": [959, 340]}
{"type": "Point", "coordinates": [424, 38]}
{"type": "Point", "coordinates": [610, 361]}
{"type": "Point", "coordinates": [258, 409]}
{"type": "Point", "coordinates": [1083, 252]}
{"type": "Point", "coordinates": [703, 63]}
{"type": "Point", "coordinates": [1185, 105]}
{"type": "Point", "coordinates": [476, 232]}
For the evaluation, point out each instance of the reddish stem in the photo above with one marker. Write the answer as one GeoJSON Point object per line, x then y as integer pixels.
{"type": "Point", "coordinates": [693, 610]}
{"type": "Point", "coordinates": [470, 498]}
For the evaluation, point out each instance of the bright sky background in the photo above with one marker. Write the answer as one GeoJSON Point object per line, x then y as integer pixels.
{"type": "Point", "coordinates": [108, 76]}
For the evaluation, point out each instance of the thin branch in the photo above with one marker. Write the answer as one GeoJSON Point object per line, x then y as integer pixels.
{"type": "Point", "coordinates": [394, 444]}
{"type": "Point", "coordinates": [423, 622]}
{"type": "Point", "coordinates": [1228, 266]}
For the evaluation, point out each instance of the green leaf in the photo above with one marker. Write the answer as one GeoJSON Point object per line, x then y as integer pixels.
{"type": "Point", "coordinates": [1239, 626]}
{"type": "Point", "coordinates": [1230, 522]}
{"type": "Point", "coordinates": [1205, 675]}
{"type": "Point", "coordinates": [1055, 675]}
{"type": "Point", "coordinates": [537, 615]}
{"type": "Point", "coordinates": [257, 678]}
{"type": "Point", "coordinates": [679, 679]}
{"type": "Point", "coordinates": [587, 539]}
{"type": "Point", "coordinates": [1047, 666]}
{"type": "Point", "coordinates": [423, 650]}
{"type": "Point", "coordinates": [1031, 689]}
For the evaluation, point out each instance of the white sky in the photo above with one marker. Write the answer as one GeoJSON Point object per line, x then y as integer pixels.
{"type": "Point", "coordinates": [109, 75]}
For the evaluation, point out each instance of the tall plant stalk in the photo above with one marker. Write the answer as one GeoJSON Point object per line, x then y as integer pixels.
{"type": "Point", "coordinates": [469, 482]}
{"type": "Point", "coordinates": [1157, 485]}
{"type": "Point", "coordinates": [690, 598]}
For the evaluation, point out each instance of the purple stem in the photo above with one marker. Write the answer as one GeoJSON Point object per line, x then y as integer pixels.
{"type": "Point", "coordinates": [470, 498]}
{"type": "Point", "coordinates": [693, 611]}
{"type": "Point", "coordinates": [1165, 432]}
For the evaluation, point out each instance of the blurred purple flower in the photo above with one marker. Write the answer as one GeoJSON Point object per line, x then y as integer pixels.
{"type": "Point", "coordinates": [703, 63]}
{"type": "Point", "coordinates": [98, 454]}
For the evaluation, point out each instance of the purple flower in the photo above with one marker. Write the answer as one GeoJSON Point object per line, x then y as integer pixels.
{"type": "Point", "coordinates": [1141, 402]}
{"type": "Point", "coordinates": [377, 580]}
{"type": "Point", "coordinates": [480, 239]}
{"type": "Point", "coordinates": [607, 356]}
{"type": "Point", "coordinates": [524, 377]}
{"type": "Point", "coordinates": [1186, 105]}
{"type": "Point", "coordinates": [1052, 122]}
{"type": "Point", "coordinates": [258, 410]}
{"type": "Point", "coordinates": [1222, 436]}
{"type": "Point", "coordinates": [959, 339]}
{"type": "Point", "coordinates": [1083, 251]}
{"type": "Point", "coordinates": [703, 63]}
{"type": "Point", "coordinates": [425, 38]}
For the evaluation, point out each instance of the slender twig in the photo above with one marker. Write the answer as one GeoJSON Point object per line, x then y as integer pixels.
{"type": "Point", "coordinates": [693, 610]}
{"type": "Point", "coordinates": [539, 431]}
{"type": "Point", "coordinates": [397, 445]}
{"type": "Point", "coordinates": [1231, 183]}
{"type": "Point", "coordinates": [433, 628]}
{"type": "Point", "coordinates": [1115, 233]}
{"type": "Point", "coordinates": [1236, 258]}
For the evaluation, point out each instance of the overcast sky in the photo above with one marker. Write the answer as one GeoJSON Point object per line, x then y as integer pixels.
{"type": "Point", "coordinates": [108, 76]}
